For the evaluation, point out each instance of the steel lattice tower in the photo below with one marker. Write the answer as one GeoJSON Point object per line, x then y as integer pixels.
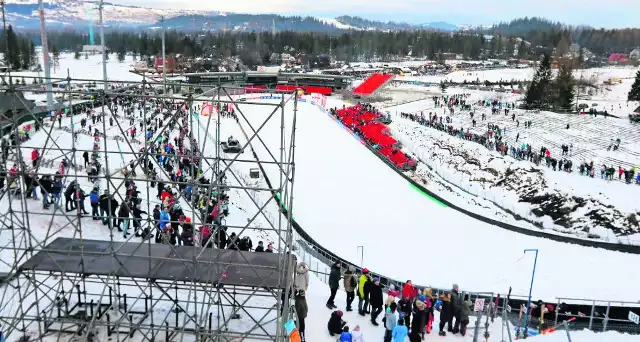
{"type": "Point", "coordinates": [61, 281]}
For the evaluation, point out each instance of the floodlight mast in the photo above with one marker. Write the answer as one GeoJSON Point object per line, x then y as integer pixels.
{"type": "Point", "coordinates": [45, 55]}
{"type": "Point", "coordinates": [104, 48]}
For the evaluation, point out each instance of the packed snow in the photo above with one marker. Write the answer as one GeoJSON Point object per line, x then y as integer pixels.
{"type": "Point", "coordinates": [363, 200]}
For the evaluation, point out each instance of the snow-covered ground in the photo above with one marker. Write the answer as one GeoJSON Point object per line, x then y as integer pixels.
{"type": "Point", "coordinates": [85, 68]}
{"type": "Point", "coordinates": [346, 197]}
{"type": "Point", "coordinates": [523, 74]}
{"type": "Point", "coordinates": [592, 208]}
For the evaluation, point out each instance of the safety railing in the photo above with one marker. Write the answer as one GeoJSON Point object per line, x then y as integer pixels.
{"type": "Point", "coordinates": [599, 314]}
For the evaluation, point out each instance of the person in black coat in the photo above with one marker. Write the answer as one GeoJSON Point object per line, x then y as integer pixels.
{"type": "Point", "coordinates": [187, 234]}
{"type": "Point", "coordinates": [375, 298]}
{"type": "Point", "coordinates": [137, 217]}
{"type": "Point", "coordinates": [335, 323]}
{"type": "Point", "coordinates": [404, 308]}
{"type": "Point", "coordinates": [68, 196]}
{"type": "Point", "coordinates": [260, 247]}
{"type": "Point", "coordinates": [105, 201]}
{"type": "Point", "coordinates": [233, 242]}
{"type": "Point", "coordinates": [456, 308]}
{"type": "Point", "coordinates": [334, 283]}
{"type": "Point", "coordinates": [156, 223]}
{"type": "Point", "coordinates": [46, 188]}
{"type": "Point", "coordinates": [419, 320]}
{"type": "Point", "coordinates": [445, 313]}
{"type": "Point", "coordinates": [221, 237]}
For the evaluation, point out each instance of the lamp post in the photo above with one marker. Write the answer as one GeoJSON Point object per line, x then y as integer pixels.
{"type": "Point", "coordinates": [361, 249]}
{"type": "Point", "coordinates": [533, 274]}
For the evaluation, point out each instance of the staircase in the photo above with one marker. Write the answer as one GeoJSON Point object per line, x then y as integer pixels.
{"type": "Point", "coordinates": [372, 84]}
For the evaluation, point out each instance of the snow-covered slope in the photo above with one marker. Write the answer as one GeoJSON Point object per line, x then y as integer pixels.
{"type": "Point", "coordinates": [346, 197]}
{"type": "Point", "coordinates": [25, 13]}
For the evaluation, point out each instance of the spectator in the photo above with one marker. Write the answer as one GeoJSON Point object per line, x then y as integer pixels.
{"type": "Point", "coordinates": [301, 311]}
{"type": "Point", "coordinates": [356, 335]}
{"type": "Point", "coordinates": [363, 292]}
{"type": "Point", "coordinates": [456, 306]}
{"type": "Point", "coordinates": [269, 248]}
{"type": "Point", "coordinates": [390, 321]}
{"type": "Point", "coordinates": [301, 281]}
{"type": "Point", "coordinates": [400, 332]}
{"type": "Point", "coordinates": [350, 284]}
{"type": "Point", "coordinates": [445, 313]}
{"type": "Point", "coordinates": [334, 284]}
{"type": "Point", "coordinates": [335, 323]}
{"type": "Point", "coordinates": [375, 294]}
{"type": "Point", "coordinates": [465, 312]}
{"type": "Point", "coordinates": [346, 336]}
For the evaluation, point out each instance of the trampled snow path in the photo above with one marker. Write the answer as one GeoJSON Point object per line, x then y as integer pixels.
{"type": "Point", "coordinates": [346, 197]}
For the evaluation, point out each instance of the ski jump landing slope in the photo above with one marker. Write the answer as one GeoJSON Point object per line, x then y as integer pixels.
{"type": "Point", "coordinates": [345, 197]}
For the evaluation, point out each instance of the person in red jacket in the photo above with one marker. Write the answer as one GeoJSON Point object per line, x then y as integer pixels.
{"type": "Point", "coordinates": [35, 155]}
{"type": "Point", "coordinates": [409, 291]}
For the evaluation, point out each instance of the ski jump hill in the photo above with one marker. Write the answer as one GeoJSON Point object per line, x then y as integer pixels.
{"type": "Point", "coordinates": [371, 211]}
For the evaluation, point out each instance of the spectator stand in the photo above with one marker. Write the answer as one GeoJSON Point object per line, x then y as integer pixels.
{"type": "Point", "coordinates": [367, 124]}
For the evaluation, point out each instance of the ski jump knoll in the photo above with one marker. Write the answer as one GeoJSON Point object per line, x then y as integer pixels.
{"type": "Point", "coordinates": [345, 197]}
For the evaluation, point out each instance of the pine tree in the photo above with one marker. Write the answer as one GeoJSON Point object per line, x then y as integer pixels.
{"type": "Point", "coordinates": [537, 95]}
{"type": "Point", "coordinates": [76, 55]}
{"type": "Point", "coordinates": [443, 86]}
{"type": "Point", "coordinates": [33, 62]}
{"type": "Point", "coordinates": [56, 57]}
{"type": "Point", "coordinates": [564, 86]}
{"type": "Point", "coordinates": [121, 56]}
{"type": "Point", "coordinates": [86, 55]}
{"type": "Point", "coordinates": [25, 54]}
{"type": "Point", "coordinates": [634, 93]}
{"type": "Point", "coordinates": [12, 54]}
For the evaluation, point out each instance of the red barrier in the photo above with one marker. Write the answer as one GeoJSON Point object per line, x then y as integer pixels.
{"type": "Point", "coordinates": [318, 90]}
{"type": "Point", "coordinates": [287, 88]}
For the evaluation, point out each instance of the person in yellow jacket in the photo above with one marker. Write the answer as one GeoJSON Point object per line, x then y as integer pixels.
{"type": "Point", "coordinates": [363, 292]}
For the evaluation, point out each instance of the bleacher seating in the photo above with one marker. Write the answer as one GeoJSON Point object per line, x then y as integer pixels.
{"type": "Point", "coordinates": [368, 126]}
{"type": "Point", "coordinates": [372, 84]}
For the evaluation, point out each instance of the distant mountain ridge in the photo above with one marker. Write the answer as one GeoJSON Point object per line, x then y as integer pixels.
{"type": "Point", "coordinates": [23, 14]}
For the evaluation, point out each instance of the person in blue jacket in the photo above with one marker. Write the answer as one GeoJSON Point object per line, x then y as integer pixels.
{"type": "Point", "coordinates": [400, 332]}
{"type": "Point", "coordinates": [94, 199]}
{"type": "Point", "coordinates": [346, 335]}
{"type": "Point", "coordinates": [164, 219]}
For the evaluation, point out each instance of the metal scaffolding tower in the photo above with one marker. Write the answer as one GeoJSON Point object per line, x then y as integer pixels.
{"type": "Point", "coordinates": [66, 276]}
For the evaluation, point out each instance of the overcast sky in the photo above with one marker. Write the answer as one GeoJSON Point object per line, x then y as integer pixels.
{"type": "Point", "coordinates": [597, 13]}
